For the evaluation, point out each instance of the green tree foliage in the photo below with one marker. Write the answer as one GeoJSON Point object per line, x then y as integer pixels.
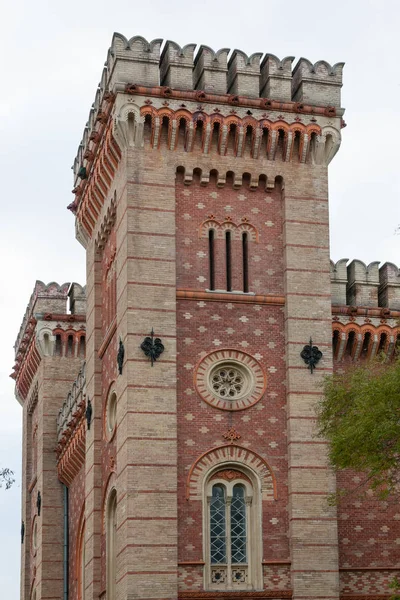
{"type": "Point", "coordinates": [6, 478]}
{"type": "Point", "coordinates": [360, 417]}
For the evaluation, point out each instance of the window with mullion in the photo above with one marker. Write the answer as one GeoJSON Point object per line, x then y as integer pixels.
{"type": "Point", "coordinates": [218, 525]}
{"type": "Point", "coordinates": [235, 538]}
{"type": "Point", "coordinates": [238, 526]}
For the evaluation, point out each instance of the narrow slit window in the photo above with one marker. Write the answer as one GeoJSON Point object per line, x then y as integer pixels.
{"type": "Point", "coordinates": [245, 244]}
{"type": "Point", "coordinates": [366, 344]}
{"type": "Point", "coordinates": [350, 344]}
{"type": "Point", "coordinates": [215, 137]}
{"type": "Point", "coordinates": [147, 129]}
{"type": "Point", "coordinates": [70, 346]}
{"type": "Point", "coordinates": [58, 351]}
{"type": "Point", "coordinates": [228, 261]}
{"type": "Point", "coordinates": [82, 346]}
{"type": "Point", "coordinates": [382, 343]}
{"type": "Point", "coordinates": [335, 342]}
{"type": "Point", "coordinates": [211, 252]}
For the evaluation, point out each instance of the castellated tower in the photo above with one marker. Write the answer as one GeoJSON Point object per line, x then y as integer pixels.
{"type": "Point", "coordinates": [201, 197]}
{"type": "Point", "coordinates": [186, 464]}
{"type": "Point", "coordinates": [49, 351]}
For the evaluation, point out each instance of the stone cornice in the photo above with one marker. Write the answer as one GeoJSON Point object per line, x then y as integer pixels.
{"type": "Point", "coordinates": [229, 99]}
{"type": "Point", "coordinates": [230, 297]}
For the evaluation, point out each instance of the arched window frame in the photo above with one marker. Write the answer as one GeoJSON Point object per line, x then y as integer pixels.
{"type": "Point", "coordinates": [81, 560]}
{"type": "Point", "coordinates": [253, 500]}
{"type": "Point", "coordinates": [111, 562]}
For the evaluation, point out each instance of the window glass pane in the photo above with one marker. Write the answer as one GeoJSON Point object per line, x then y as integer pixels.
{"type": "Point", "coordinates": [218, 525]}
{"type": "Point", "coordinates": [238, 526]}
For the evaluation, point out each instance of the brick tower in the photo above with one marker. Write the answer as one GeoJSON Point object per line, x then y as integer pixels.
{"type": "Point", "coordinates": [186, 443]}
{"type": "Point", "coordinates": [49, 351]}
{"type": "Point", "coordinates": [202, 201]}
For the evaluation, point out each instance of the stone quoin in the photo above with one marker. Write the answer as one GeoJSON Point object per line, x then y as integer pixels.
{"type": "Point", "coordinates": [201, 198]}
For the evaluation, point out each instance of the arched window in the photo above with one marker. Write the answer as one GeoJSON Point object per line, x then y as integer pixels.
{"type": "Point", "coordinates": [81, 562]}
{"type": "Point", "coordinates": [233, 531]}
{"type": "Point", "coordinates": [111, 526]}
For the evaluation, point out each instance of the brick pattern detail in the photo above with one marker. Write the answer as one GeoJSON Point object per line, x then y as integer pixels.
{"type": "Point", "coordinates": [206, 326]}
{"type": "Point", "coordinates": [368, 583]}
{"type": "Point", "coordinates": [226, 454]}
{"type": "Point", "coordinates": [76, 515]}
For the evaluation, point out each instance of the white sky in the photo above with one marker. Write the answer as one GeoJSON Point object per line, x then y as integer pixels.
{"type": "Point", "coordinates": [52, 57]}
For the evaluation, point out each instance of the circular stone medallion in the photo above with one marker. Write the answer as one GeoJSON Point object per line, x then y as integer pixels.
{"type": "Point", "coordinates": [230, 380]}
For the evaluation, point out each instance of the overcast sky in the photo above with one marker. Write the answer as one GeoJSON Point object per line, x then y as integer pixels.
{"type": "Point", "coordinates": [52, 57]}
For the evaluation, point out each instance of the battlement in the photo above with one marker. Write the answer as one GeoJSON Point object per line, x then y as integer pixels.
{"type": "Point", "coordinates": [138, 62]}
{"type": "Point", "coordinates": [47, 299]}
{"type": "Point", "coordinates": [44, 299]}
{"type": "Point", "coordinates": [358, 284]}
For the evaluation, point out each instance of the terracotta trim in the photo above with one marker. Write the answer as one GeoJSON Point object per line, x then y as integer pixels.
{"type": "Point", "coordinates": [232, 99]}
{"type": "Point", "coordinates": [234, 595]}
{"type": "Point", "coordinates": [107, 338]}
{"type": "Point", "coordinates": [277, 562]}
{"type": "Point", "coordinates": [216, 449]}
{"type": "Point", "coordinates": [363, 311]}
{"type": "Point", "coordinates": [32, 484]}
{"type": "Point", "coordinates": [63, 317]}
{"type": "Point", "coordinates": [366, 596]}
{"type": "Point", "coordinates": [182, 294]}
{"type": "Point", "coordinates": [369, 569]}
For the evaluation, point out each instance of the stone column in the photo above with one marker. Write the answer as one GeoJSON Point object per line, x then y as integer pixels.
{"type": "Point", "coordinates": [147, 437]}
{"type": "Point", "coordinates": [313, 527]}
{"type": "Point", "coordinates": [93, 492]}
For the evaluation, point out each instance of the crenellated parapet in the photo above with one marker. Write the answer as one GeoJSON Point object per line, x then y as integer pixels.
{"type": "Point", "coordinates": [211, 70]}
{"type": "Point", "coordinates": [212, 83]}
{"type": "Point", "coordinates": [44, 299]}
{"type": "Point", "coordinates": [176, 66]}
{"type": "Point", "coordinates": [244, 74]}
{"type": "Point", "coordinates": [339, 281]}
{"type": "Point", "coordinates": [49, 329]}
{"type": "Point", "coordinates": [276, 78]}
{"type": "Point", "coordinates": [318, 83]}
{"type": "Point", "coordinates": [366, 310]}
{"type": "Point", "coordinates": [358, 284]}
{"type": "Point", "coordinates": [389, 286]}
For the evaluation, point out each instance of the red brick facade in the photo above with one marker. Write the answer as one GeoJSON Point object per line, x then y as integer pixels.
{"type": "Point", "coordinates": [204, 214]}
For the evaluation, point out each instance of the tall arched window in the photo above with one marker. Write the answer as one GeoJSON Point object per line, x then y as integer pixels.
{"type": "Point", "coordinates": [111, 527]}
{"type": "Point", "coordinates": [233, 531]}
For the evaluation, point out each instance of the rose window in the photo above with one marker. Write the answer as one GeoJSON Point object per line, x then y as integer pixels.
{"type": "Point", "coordinates": [227, 382]}
{"type": "Point", "coordinates": [230, 379]}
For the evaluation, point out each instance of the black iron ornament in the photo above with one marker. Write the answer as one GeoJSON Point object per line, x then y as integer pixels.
{"type": "Point", "coordinates": [88, 413]}
{"type": "Point", "coordinates": [120, 356]}
{"type": "Point", "coordinates": [311, 355]}
{"type": "Point", "coordinates": [38, 503]}
{"type": "Point", "coordinates": [22, 532]}
{"type": "Point", "coordinates": [82, 173]}
{"type": "Point", "coordinates": [152, 347]}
